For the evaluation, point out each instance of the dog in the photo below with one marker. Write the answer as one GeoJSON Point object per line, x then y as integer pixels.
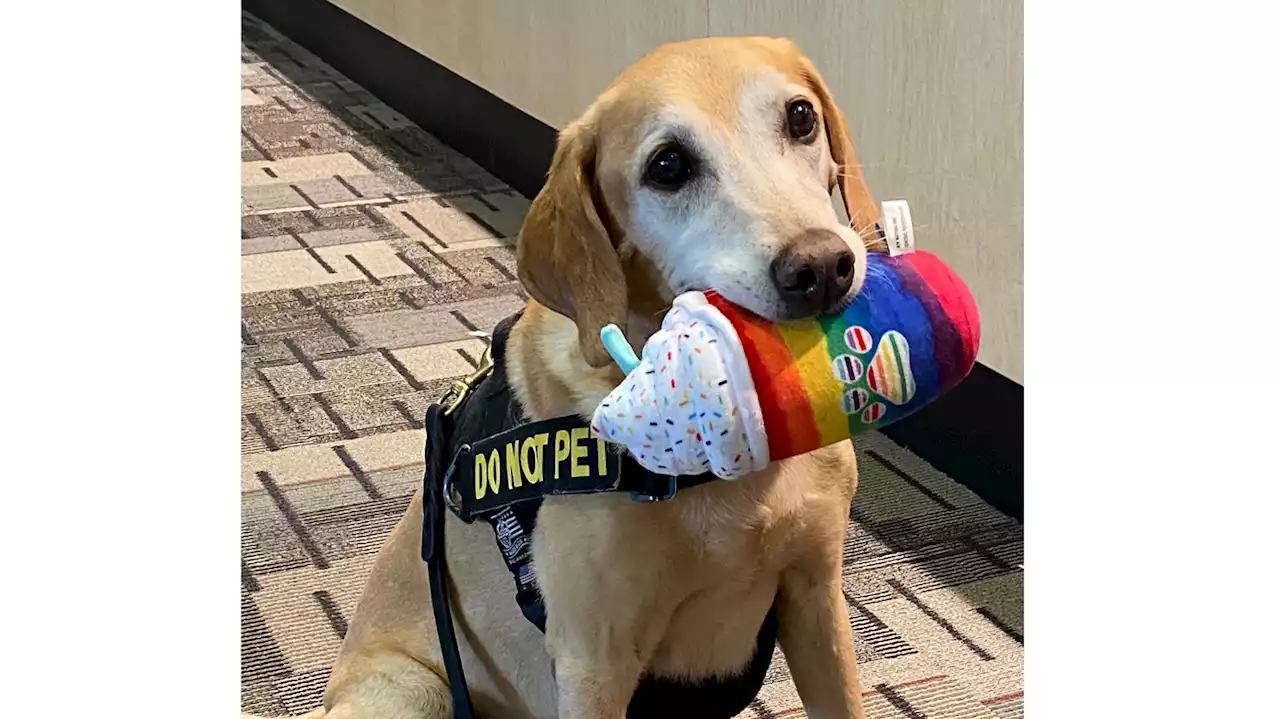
{"type": "Point", "coordinates": [709, 164]}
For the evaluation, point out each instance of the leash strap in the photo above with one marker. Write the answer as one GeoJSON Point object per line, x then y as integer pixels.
{"type": "Point", "coordinates": [434, 555]}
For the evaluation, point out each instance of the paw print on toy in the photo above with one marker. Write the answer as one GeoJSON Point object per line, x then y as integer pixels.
{"type": "Point", "coordinates": [887, 374]}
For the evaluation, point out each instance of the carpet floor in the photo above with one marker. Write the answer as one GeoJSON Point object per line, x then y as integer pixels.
{"type": "Point", "coordinates": [370, 254]}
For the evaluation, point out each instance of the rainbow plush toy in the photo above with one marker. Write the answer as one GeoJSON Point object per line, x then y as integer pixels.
{"type": "Point", "coordinates": [720, 389]}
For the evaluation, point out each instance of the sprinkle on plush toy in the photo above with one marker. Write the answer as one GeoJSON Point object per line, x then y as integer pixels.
{"type": "Point", "coordinates": [720, 389]}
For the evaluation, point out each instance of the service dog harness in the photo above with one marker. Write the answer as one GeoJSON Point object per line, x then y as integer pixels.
{"type": "Point", "coordinates": [484, 461]}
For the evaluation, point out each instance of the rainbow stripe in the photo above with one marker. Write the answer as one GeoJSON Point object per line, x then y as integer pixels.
{"type": "Point", "coordinates": [911, 334]}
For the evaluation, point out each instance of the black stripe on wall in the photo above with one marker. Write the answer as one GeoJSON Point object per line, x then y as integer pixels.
{"type": "Point", "coordinates": [974, 435]}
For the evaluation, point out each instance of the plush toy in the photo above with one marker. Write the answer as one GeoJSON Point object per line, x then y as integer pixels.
{"type": "Point", "coordinates": [720, 389]}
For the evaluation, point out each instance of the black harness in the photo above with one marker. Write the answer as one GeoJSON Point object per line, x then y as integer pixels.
{"type": "Point", "coordinates": [483, 461]}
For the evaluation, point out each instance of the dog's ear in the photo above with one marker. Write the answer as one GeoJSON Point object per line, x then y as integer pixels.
{"type": "Point", "coordinates": [565, 256]}
{"type": "Point", "coordinates": [863, 211]}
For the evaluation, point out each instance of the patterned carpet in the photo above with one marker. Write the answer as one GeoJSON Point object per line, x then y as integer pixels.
{"type": "Point", "coordinates": [370, 254]}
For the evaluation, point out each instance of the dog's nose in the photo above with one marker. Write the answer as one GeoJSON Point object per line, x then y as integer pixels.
{"type": "Point", "coordinates": [813, 272]}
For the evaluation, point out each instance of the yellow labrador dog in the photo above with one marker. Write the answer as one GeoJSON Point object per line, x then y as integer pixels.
{"type": "Point", "coordinates": [708, 164]}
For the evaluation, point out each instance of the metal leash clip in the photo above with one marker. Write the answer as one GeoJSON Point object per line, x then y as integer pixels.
{"type": "Point", "coordinates": [463, 387]}
{"type": "Point", "coordinates": [450, 402]}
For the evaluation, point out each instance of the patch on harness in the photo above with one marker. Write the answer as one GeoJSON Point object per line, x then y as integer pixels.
{"type": "Point", "coordinates": [511, 536]}
{"type": "Point", "coordinates": [513, 526]}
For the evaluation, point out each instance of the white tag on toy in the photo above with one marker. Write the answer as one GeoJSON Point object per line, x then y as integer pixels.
{"type": "Point", "coordinates": [895, 222]}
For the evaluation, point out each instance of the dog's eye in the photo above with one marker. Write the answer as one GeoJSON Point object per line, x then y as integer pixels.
{"type": "Point", "coordinates": [802, 121]}
{"type": "Point", "coordinates": [670, 168]}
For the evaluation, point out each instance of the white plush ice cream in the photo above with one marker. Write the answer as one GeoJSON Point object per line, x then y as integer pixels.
{"type": "Point", "coordinates": [690, 406]}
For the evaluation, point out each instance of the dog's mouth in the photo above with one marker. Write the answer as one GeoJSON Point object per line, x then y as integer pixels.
{"type": "Point", "coordinates": [797, 299]}
{"type": "Point", "coordinates": [800, 298]}
{"type": "Point", "coordinates": [775, 309]}
{"type": "Point", "coordinates": [769, 309]}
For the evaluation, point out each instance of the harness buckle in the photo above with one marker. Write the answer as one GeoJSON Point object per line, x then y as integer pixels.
{"type": "Point", "coordinates": [463, 387]}
{"type": "Point", "coordinates": [661, 495]}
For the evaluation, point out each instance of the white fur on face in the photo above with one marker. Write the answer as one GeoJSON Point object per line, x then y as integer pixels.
{"type": "Point", "coordinates": [754, 190]}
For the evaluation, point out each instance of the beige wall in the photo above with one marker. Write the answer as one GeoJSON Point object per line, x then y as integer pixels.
{"type": "Point", "coordinates": [932, 90]}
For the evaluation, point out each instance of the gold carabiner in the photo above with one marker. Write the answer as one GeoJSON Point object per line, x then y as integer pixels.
{"type": "Point", "coordinates": [463, 387]}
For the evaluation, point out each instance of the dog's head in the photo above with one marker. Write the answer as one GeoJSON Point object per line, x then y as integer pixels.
{"type": "Point", "coordinates": [709, 164]}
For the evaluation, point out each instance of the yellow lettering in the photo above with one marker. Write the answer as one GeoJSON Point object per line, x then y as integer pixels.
{"type": "Point", "coordinates": [562, 449]}
{"type": "Point", "coordinates": [600, 458]}
{"type": "Point", "coordinates": [513, 465]}
{"type": "Point", "coordinates": [533, 446]}
{"type": "Point", "coordinates": [579, 452]}
{"type": "Point", "coordinates": [495, 471]}
{"type": "Point", "coordinates": [482, 476]}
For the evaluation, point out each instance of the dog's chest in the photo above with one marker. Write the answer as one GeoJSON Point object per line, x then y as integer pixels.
{"type": "Point", "coordinates": [747, 529]}
{"type": "Point", "coordinates": [741, 543]}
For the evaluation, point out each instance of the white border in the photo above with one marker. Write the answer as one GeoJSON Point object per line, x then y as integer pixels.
{"type": "Point", "coordinates": [1152, 157]}
{"type": "Point", "coordinates": [1153, 358]}
{"type": "Point", "coordinates": [121, 298]}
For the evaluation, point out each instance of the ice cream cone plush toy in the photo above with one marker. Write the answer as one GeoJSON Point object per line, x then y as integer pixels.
{"type": "Point", "coordinates": [719, 389]}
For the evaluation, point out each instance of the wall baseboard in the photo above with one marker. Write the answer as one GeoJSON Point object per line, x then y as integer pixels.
{"type": "Point", "coordinates": [973, 434]}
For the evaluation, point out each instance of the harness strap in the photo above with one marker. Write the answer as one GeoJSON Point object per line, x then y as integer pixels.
{"type": "Point", "coordinates": [543, 459]}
